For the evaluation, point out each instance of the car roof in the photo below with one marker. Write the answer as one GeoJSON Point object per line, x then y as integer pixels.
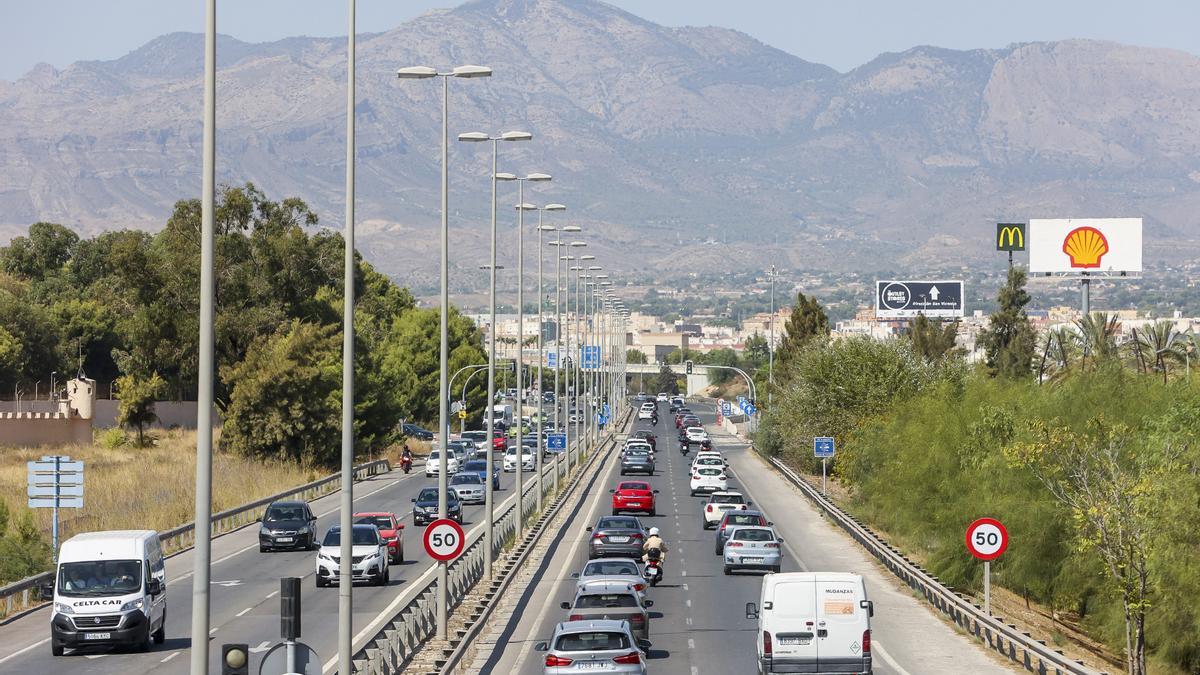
{"type": "Point", "coordinates": [622, 484]}
{"type": "Point", "coordinates": [743, 513]}
{"type": "Point", "coordinates": [604, 560]}
{"type": "Point", "coordinates": [601, 587]}
{"type": "Point", "coordinates": [726, 493]}
{"type": "Point", "coordinates": [361, 514]}
{"type": "Point", "coordinates": [288, 502]}
{"type": "Point", "coordinates": [594, 624]}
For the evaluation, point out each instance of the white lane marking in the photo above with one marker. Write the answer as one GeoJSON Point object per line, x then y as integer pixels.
{"type": "Point", "coordinates": [211, 631]}
{"type": "Point", "coordinates": [683, 573]}
{"type": "Point", "coordinates": [685, 587]}
{"type": "Point", "coordinates": [695, 670]}
{"type": "Point", "coordinates": [244, 611]}
{"type": "Point", "coordinates": [357, 497]}
{"type": "Point", "coordinates": [262, 647]}
{"type": "Point", "coordinates": [878, 648]}
{"type": "Point", "coordinates": [688, 602]}
{"type": "Point", "coordinates": [96, 656]}
{"type": "Point", "coordinates": [689, 621]}
{"type": "Point", "coordinates": [691, 643]}
{"type": "Point", "coordinates": [272, 594]}
{"type": "Point", "coordinates": [168, 657]}
{"type": "Point", "coordinates": [19, 652]}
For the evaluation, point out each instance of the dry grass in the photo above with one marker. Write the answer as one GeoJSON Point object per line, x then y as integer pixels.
{"type": "Point", "coordinates": [149, 488]}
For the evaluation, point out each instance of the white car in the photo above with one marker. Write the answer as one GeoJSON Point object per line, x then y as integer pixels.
{"type": "Point", "coordinates": [510, 459]}
{"type": "Point", "coordinates": [662, 397]}
{"type": "Point", "coordinates": [709, 462]}
{"type": "Point", "coordinates": [433, 464]}
{"type": "Point", "coordinates": [640, 444]}
{"type": "Point", "coordinates": [369, 550]}
{"type": "Point", "coordinates": [696, 434]}
{"type": "Point", "coordinates": [719, 503]}
{"type": "Point", "coordinates": [647, 411]}
{"type": "Point", "coordinates": [708, 479]}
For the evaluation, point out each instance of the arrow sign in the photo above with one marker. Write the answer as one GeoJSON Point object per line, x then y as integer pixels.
{"type": "Point", "coordinates": [934, 293]}
{"type": "Point", "coordinates": [228, 584]}
{"type": "Point", "coordinates": [262, 647]}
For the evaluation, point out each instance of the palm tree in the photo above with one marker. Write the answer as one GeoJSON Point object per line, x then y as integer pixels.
{"type": "Point", "coordinates": [1098, 335]}
{"type": "Point", "coordinates": [1059, 348]}
{"type": "Point", "coordinates": [1162, 342]}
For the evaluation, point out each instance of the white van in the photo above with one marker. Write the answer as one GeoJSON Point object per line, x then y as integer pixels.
{"type": "Point", "coordinates": [813, 622]}
{"type": "Point", "coordinates": [110, 589]}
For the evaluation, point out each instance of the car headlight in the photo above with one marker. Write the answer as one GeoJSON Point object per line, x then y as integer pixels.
{"type": "Point", "coordinates": [264, 530]}
{"type": "Point", "coordinates": [303, 530]}
{"type": "Point", "coordinates": [132, 605]}
{"type": "Point", "coordinates": [63, 608]}
{"type": "Point", "coordinates": [322, 556]}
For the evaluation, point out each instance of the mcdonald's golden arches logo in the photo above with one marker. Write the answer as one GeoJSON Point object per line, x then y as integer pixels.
{"type": "Point", "coordinates": [1010, 236]}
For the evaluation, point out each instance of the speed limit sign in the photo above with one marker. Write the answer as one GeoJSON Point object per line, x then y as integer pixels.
{"type": "Point", "coordinates": [444, 540]}
{"type": "Point", "coordinates": [987, 539]}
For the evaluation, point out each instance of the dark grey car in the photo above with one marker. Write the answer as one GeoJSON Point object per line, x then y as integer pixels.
{"type": "Point", "coordinates": [615, 601]}
{"type": "Point", "coordinates": [616, 536]}
{"type": "Point", "coordinates": [637, 462]}
{"type": "Point", "coordinates": [287, 524]}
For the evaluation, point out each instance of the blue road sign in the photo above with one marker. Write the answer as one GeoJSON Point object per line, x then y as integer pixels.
{"type": "Point", "coordinates": [556, 442]}
{"type": "Point", "coordinates": [750, 409]}
{"type": "Point", "coordinates": [741, 400]}
{"type": "Point", "coordinates": [590, 357]}
{"type": "Point", "coordinates": [726, 408]}
{"type": "Point", "coordinates": [823, 446]}
{"type": "Point", "coordinates": [551, 359]}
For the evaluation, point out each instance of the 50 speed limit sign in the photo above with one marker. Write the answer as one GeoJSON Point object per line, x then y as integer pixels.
{"type": "Point", "coordinates": [987, 539]}
{"type": "Point", "coordinates": [444, 540]}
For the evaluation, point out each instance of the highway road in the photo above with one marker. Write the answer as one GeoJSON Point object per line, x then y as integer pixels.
{"type": "Point", "coordinates": [244, 600]}
{"type": "Point", "coordinates": [698, 625]}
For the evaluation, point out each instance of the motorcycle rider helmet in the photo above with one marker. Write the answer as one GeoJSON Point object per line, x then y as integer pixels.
{"type": "Point", "coordinates": [653, 532]}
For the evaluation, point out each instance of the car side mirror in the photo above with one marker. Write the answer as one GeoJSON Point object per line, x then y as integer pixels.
{"type": "Point", "coordinates": [154, 587]}
{"type": "Point", "coordinates": [770, 524]}
{"type": "Point", "coordinates": [565, 605]}
{"type": "Point", "coordinates": [751, 610]}
{"type": "Point", "coordinates": [749, 503]}
{"type": "Point", "coordinates": [612, 492]}
{"type": "Point", "coordinates": [542, 647]}
{"type": "Point", "coordinates": [649, 603]}
{"type": "Point", "coordinates": [869, 606]}
{"type": "Point", "coordinates": [780, 539]}
{"type": "Point", "coordinates": [399, 526]}
{"type": "Point", "coordinates": [46, 591]}
{"type": "Point", "coordinates": [643, 645]}
{"type": "Point", "coordinates": [574, 575]}
{"type": "Point", "coordinates": [588, 530]}
{"type": "Point", "coordinates": [414, 500]}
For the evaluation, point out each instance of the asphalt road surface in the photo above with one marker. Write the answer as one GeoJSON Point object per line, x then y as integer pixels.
{"type": "Point", "coordinates": [698, 626]}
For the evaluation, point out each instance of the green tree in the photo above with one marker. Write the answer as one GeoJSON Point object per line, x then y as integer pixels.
{"type": "Point", "coordinates": [807, 322]}
{"type": "Point", "coordinates": [1098, 336]}
{"type": "Point", "coordinates": [635, 356]}
{"type": "Point", "coordinates": [43, 252]}
{"type": "Point", "coordinates": [136, 408]}
{"type": "Point", "coordinates": [1009, 340]}
{"type": "Point", "coordinates": [1159, 343]}
{"type": "Point", "coordinates": [756, 350]}
{"type": "Point", "coordinates": [24, 550]}
{"type": "Point", "coordinates": [666, 380]}
{"type": "Point", "coordinates": [933, 340]}
{"type": "Point", "coordinates": [409, 361]}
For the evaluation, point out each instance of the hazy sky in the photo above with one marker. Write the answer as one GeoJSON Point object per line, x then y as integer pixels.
{"type": "Point", "coordinates": [840, 33]}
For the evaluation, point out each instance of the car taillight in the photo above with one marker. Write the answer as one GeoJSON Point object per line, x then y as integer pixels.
{"type": "Point", "coordinates": [772, 546]}
{"type": "Point", "coordinates": [636, 619]}
{"type": "Point", "coordinates": [639, 587]}
{"type": "Point", "coordinates": [696, 477]}
{"type": "Point", "coordinates": [553, 660]}
{"type": "Point", "coordinates": [708, 508]}
{"type": "Point", "coordinates": [766, 643]}
{"type": "Point", "coordinates": [575, 617]}
{"type": "Point", "coordinates": [635, 536]}
{"type": "Point", "coordinates": [632, 658]}
{"type": "Point", "coordinates": [866, 641]}
{"type": "Point", "coordinates": [597, 536]}
{"type": "Point", "coordinates": [734, 544]}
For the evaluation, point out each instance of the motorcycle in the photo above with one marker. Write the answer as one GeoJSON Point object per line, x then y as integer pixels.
{"type": "Point", "coordinates": [685, 448]}
{"type": "Point", "coordinates": [406, 464]}
{"type": "Point", "coordinates": [653, 572]}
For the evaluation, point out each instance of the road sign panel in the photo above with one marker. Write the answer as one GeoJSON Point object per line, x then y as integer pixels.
{"type": "Point", "coordinates": [726, 408]}
{"type": "Point", "coordinates": [750, 409]}
{"type": "Point", "coordinates": [47, 466]}
{"type": "Point", "coordinates": [444, 540]}
{"type": "Point", "coordinates": [987, 539]}
{"type": "Point", "coordinates": [552, 359]}
{"type": "Point", "coordinates": [48, 503]}
{"type": "Point", "coordinates": [48, 490]}
{"type": "Point", "coordinates": [1010, 237]}
{"type": "Point", "coordinates": [907, 299]}
{"type": "Point", "coordinates": [556, 442]}
{"type": "Point", "coordinates": [824, 446]}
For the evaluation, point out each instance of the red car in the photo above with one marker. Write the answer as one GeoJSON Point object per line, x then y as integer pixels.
{"type": "Point", "coordinates": [499, 442]}
{"type": "Point", "coordinates": [633, 496]}
{"type": "Point", "coordinates": [390, 528]}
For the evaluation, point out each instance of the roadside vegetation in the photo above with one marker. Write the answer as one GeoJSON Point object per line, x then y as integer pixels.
{"type": "Point", "coordinates": [1088, 451]}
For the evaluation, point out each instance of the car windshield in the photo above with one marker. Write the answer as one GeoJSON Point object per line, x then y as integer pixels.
{"type": "Point", "coordinates": [592, 641]}
{"type": "Point", "coordinates": [103, 577]}
{"type": "Point", "coordinates": [633, 486]}
{"type": "Point", "coordinates": [602, 568]}
{"type": "Point", "coordinates": [382, 522]}
{"type": "Point", "coordinates": [362, 536]}
{"type": "Point", "coordinates": [476, 465]}
{"type": "Point", "coordinates": [710, 472]}
{"type": "Point", "coordinates": [727, 499]}
{"type": "Point", "coordinates": [738, 518]}
{"type": "Point", "coordinates": [466, 479]}
{"type": "Point", "coordinates": [435, 455]}
{"type": "Point", "coordinates": [618, 523]}
{"type": "Point", "coordinates": [753, 535]}
{"type": "Point", "coordinates": [278, 512]}
{"type": "Point", "coordinates": [429, 494]}
{"type": "Point", "coordinates": [604, 600]}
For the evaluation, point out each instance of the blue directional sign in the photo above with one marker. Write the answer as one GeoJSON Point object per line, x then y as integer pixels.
{"type": "Point", "coordinates": [823, 446]}
{"type": "Point", "coordinates": [551, 359]}
{"type": "Point", "coordinates": [556, 442]}
{"type": "Point", "coordinates": [750, 409]}
{"type": "Point", "coordinates": [590, 357]}
{"type": "Point", "coordinates": [726, 408]}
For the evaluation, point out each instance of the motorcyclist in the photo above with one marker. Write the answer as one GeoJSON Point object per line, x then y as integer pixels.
{"type": "Point", "coordinates": [653, 540]}
{"type": "Point", "coordinates": [685, 447]}
{"type": "Point", "coordinates": [406, 457]}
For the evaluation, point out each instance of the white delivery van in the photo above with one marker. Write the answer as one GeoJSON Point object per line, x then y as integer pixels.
{"type": "Point", "coordinates": [813, 622]}
{"type": "Point", "coordinates": [502, 414]}
{"type": "Point", "coordinates": [110, 589]}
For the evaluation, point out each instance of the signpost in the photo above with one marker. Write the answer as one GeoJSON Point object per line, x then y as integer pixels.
{"type": "Point", "coordinates": [444, 540]}
{"type": "Point", "coordinates": [552, 359]}
{"type": "Point", "coordinates": [1010, 237]}
{"type": "Point", "coordinates": [939, 299]}
{"type": "Point", "coordinates": [824, 447]}
{"type": "Point", "coordinates": [726, 408]}
{"type": "Point", "coordinates": [55, 482]}
{"type": "Point", "coordinates": [1083, 248]}
{"type": "Point", "coordinates": [987, 540]}
{"type": "Point", "coordinates": [556, 441]}
{"type": "Point", "coordinates": [590, 358]}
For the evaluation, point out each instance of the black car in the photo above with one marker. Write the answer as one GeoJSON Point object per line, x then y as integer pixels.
{"type": "Point", "coordinates": [648, 436]}
{"type": "Point", "coordinates": [289, 524]}
{"type": "Point", "coordinates": [547, 397]}
{"type": "Point", "coordinates": [616, 536]}
{"type": "Point", "coordinates": [425, 506]}
{"type": "Point", "coordinates": [416, 432]}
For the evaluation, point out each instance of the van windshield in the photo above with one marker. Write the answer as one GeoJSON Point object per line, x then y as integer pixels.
{"type": "Point", "coordinates": [99, 578]}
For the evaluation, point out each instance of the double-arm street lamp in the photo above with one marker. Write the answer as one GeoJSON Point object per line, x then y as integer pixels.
{"type": "Point", "coordinates": [541, 423]}
{"type": "Point", "coordinates": [421, 73]}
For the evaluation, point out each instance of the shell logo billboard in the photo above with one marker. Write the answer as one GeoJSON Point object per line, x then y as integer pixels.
{"type": "Point", "coordinates": [1085, 245]}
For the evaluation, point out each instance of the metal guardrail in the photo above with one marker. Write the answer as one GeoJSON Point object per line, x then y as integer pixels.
{"type": "Point", "coordinates": [20, 595]}
{"type": "Point", "coordinates": [392, 648]}
{"type": "Point", "coordinates": [1005, 638]}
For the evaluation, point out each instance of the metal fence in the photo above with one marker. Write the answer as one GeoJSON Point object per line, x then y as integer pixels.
{"type": "Point", "coordinates": [402, 636]}
{"type": "Point", "coordinates": [1005, 638]}
{"type": "Point", "coordinates": [21, 595]}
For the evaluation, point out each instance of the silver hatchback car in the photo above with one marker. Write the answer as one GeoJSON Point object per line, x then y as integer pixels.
{"type": "Point", "coordinates": [757, 548]}
{"type": "Point", "coordinates": [594, 646]}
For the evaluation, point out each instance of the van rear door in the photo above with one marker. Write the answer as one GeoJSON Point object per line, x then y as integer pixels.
{"type": "Point", "coordinates": [843, 626]}
{"type": "Point", "coordinates": [791, 624]}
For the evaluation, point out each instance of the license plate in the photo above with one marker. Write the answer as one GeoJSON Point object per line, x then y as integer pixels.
{"type": "Point", "coordinates": [618, 540]}
{"type": "Point", "coordinates": [798, 641]}
{"type": "Point", "coordinates": [97, 636]}
{"type": "Point", "coordinates": [635, 503]}
{"type": "Point", "coordinates": [752, 561]}
{"type": "Point", "coordinates": [589, 665]}
{"type": "Point", "coordinates": [283, 540]}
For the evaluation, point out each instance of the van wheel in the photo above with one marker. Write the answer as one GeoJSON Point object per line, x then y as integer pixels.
{"type": "Point", "coordinates": [145, 645]}
{"type": "Point", "coordinates": [55, 648]}
{"type": "Point", "coordinates": [160, 635]}
{"type": "Point", "coordinates": [320, 582]}
{"type": "Point", "coordinates": [728, 571]}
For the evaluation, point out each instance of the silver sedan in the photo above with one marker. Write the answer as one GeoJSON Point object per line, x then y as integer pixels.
{"type": "Point", "coordinates": [755, 548]}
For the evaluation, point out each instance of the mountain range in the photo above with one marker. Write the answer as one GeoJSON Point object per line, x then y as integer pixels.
{"type": "Point", "coordinates": [674, 148]}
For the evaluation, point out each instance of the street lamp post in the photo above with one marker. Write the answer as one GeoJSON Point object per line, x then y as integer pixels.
{"type": "Point", "coordinates": [541, 357]}
{"type": "Point", "coordinates": [488, 536]}
{"type": "Point", "coordinates": [771, 344]}
{"type": "Point", "coordinates": [420, 73]}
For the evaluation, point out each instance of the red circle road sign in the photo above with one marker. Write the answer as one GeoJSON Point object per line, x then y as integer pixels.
{"type": "Point", "coordinates": [444, 540]}
{"type": "Point", "coordinates": [987, 539]}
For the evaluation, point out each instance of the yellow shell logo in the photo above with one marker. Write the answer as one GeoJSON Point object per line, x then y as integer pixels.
{"type": "Point", "coordinates": [1085, 246]}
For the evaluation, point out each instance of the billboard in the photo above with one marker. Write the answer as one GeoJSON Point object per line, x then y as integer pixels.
{"type": "Point", "coordinates": [1010, 237]}
{"type": "Point", "coordinates": [1085, 245]}
{"type": "Point", "coordinates": [941, 299]}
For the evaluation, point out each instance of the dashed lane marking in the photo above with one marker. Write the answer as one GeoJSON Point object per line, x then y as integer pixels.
{"type": "Point", "coordinates": [244, 611]}
{"type": "Point", "coordinates": [168, 657]}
